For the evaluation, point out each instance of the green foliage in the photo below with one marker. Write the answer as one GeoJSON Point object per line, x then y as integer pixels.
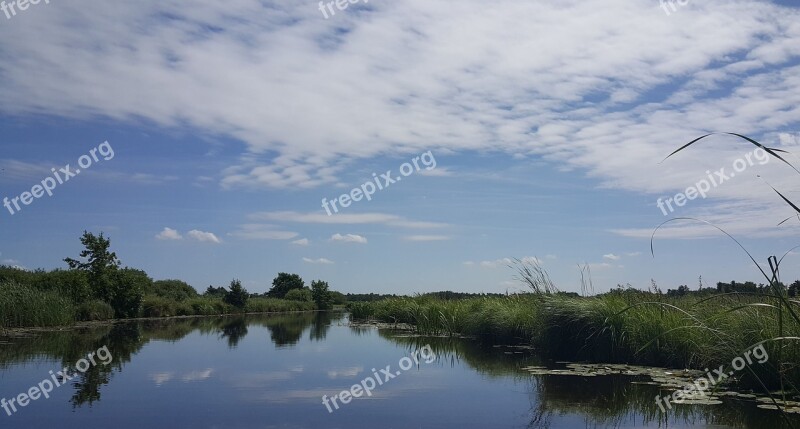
{"type": "Point", "coordinates": [155, 306]}
{"type": "Point", "coordinates": [100, 264]}
{"type": "Point", "coordinates": [94, 310]}
{"type": "Point", "coordinates": [338, 298]}
{"type": "Point", "coordinates": [321, 294]}
{"type": "Point", "coordinates": [127, 288]}
{"type": "Point", "coordinates": [176, 290]}
{"type": "Point", "coordinates": [218, 292]}
{"type": "Point", "coordinates": [285, 282]}
{"type": "Point", "coordinates": [273, 305]}
{"type": "Point", "coordinates": [71, 283]}
{"type": "Point", "coordinates": [22, 306]}
{"type": "Point", "coordinates": [237, 296]}
{"type": "Point", "coordinates": [303, 295]}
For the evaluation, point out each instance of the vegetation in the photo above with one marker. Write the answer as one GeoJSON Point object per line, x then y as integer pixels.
{"type": "Point", "coordinates": [237, 296]}
{"type": "Point", "coordinates": [285, 282]}
{"type": "Point", "coordinates": [96, 288]}
{"type": "Point", "coordinates": [321, 294]}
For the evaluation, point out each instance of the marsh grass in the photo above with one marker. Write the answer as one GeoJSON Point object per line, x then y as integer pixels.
{"type": "Point", "coordinates": [22, 306]}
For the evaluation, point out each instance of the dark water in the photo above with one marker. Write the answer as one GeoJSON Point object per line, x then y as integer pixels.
{"type": "Point", "coordinates": [272, 372]}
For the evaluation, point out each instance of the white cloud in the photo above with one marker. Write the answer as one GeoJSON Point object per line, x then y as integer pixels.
{"type": "Point", "coordinates": [349, 238]}
{"type": "Point", "coordinates": [323, 261]}
{"type": "Point", "coordinates": [345, 372]}
{"type": "Point", "coordinates": [344, 219]}
{"type": "Point", "coordinates": [198, 375]}
{"type": "Point", "coordinates": [302, 242]}
{"type": "Point", "coordinates": [262, 232]}
{"type": "Point", "coordinates": [633, 253]}
{"type": "Point", "coordinates": [169, 234]}
{"type": "Point", "coordinates": [597, 68]}
{"type": "Point", "coordinates": [611, 256]}
{"type": "Point", "coordinates": [203, 236]}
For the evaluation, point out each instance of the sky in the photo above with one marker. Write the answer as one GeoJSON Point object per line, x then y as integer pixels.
{"type": "Point", "coordinates": [210, 136]}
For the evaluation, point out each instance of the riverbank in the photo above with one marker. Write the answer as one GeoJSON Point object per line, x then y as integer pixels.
{"type": "Point", "coordinates": [631, 327]}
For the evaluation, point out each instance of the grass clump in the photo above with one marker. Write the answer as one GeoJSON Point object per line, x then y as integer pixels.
{"type": "Point", "coordinates": [22, 306]}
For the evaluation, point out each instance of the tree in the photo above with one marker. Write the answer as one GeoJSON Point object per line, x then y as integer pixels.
{"type": "Point", "coordinates": [127, 291]}
{"type": "Point", "coordinates": [285, 282]}
{"type": "Point", "coordinates": [176, 290]}
{"type": "Point", "coordinates": [321, 294]}
{"type": "Point", "coordinates": [215, 292]}
{"type": "Point", "coordinates": [237, 296]}
{"type": "Point", "coordinates": [794, 289]}
{"type": "Point", "coordinates": [100, 264]}
{"type": "Point", "coordinates": [303, 295]}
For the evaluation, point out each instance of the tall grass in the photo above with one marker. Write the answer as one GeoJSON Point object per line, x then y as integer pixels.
{"type": "Point", "coordinates": [22, 306]}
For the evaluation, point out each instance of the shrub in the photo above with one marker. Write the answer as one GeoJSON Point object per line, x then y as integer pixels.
{"type": "Point", "coordinates": [154, 306]}
{"type": "Point", "coordinates": [176, 290]}
{"type": "Point", "coordinates": [302, 295]}
{"type": "Point", "coordinates": [94, 310]}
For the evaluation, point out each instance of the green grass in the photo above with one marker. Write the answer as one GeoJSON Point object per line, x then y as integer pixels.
{"type": "Point", "coordinates": [22, 306]}
{"type": "Point", "coordinates": [630, 327]}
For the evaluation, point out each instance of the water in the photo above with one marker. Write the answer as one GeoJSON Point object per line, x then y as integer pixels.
{"type": "Point", "coordinates": [272, 372]}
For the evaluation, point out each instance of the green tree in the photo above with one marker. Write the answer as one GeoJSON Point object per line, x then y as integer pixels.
{"type": "Point", "coordinates": [215, 292]}
{"type": "Point", "coordinates": [321, 294]}
{"type": "Point", "coordinates": [127, 291]}
{"type": "Point", "coordinates": [176, 290]}
{"type": "Point", "coordinates": [100, 264]}
{"type": "Point", "coordinates": [237, 296]}
{"type": "Point", "coordinates": [285, 282]}
{"type": "Point", "coordinates": [303, 295]}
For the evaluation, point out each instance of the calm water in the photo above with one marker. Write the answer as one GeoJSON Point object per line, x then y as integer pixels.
{"type": "Point", "coordinates": [272, 371]}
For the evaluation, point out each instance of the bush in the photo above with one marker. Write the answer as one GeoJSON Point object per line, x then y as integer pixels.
{"type": "Point", "coordinates": [94, 310]}
{"type": "Point", "coordinates": [176, 290]}
{"type": "Point", "coordinates": [155, 306]}
{"type": "Point", "coordinates": [302, 295]}
{"type": "Point", "coordinates": [127, 291]}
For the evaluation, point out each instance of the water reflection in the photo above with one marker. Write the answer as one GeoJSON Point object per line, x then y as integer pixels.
{"type": "Point", "coordinates": [606, 401]}
{"type": "Point", "coordinates": [125, 339]}
{"type": "Point", "coordinates": [255, 367]}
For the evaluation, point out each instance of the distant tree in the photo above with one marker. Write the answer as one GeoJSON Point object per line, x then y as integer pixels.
{"type": "Point", "coordinates": [127, 291]}
{"type": "Point", "coordinates": [794, 289]}
{"type": "Point", "coordinates": [303, 295]}
{"type": "Point", "coordinates": [215, 292]}
{"type": "Point", "coordinates": [176, 290]}
{"type": "Point", "coordinates": [338, 298]}
{"type": "Point", "coordinates": [285, 282]}
{"type": "Point", "coordinates": [237, 296]}
{"type": "Point", "coordinates": [321, 294]}
{"type": "Point", "coordinates": [100, 264]}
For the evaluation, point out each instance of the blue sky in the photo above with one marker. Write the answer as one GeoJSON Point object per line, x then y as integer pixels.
{"type": "Point", "coordinates": [231, 121]}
